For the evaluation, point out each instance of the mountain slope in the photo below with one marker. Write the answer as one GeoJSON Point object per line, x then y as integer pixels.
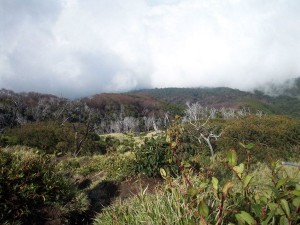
{"type": "Point", "coordinates": [227, 97]}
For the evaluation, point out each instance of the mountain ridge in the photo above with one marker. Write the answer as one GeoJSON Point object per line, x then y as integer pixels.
{"type": "Point", "coordinates": [32, 106]}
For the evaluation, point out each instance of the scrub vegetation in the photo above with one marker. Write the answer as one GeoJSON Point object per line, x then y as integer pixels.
{"type": "Point", "coordinates": [207, 165]}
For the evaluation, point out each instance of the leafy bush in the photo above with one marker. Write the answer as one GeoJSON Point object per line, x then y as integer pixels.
{"type": "Point", "coordinates": [273, 136]}
{"type": "Point", "coordinates": [112, 143]}
{"type": "Point", "coordinates": [154, 154]}
{"type": "Point", "coordinates": [32, 190]}
{"type": "Point", "coordinates": [52, 137]}
{"type": "Point", "coordinates": [172, 151]}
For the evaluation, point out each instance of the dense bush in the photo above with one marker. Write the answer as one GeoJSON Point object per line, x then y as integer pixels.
{"type": "Point", "coordinates": [32, 191]}
{"type": "Point", "coordinates": [273, 136]}
{"type": "Point", "coordinates": [154, 154]}
{"type": "Point", "coordinates": [52, 137]}
{"type": "Point", "coordinates": [173, 150]}
{"type": "Point", "coordinates": [112, 143]}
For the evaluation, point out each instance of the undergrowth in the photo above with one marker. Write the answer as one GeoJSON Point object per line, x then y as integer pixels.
{"type": "Point", "coordinates": [32, 190]}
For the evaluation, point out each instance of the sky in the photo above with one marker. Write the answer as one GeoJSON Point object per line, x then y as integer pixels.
{"type": "Point", "coordinates": [74, 48]}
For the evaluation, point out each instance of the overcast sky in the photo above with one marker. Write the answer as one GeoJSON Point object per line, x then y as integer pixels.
{"type": "Point", "coordinates": [81, 47]}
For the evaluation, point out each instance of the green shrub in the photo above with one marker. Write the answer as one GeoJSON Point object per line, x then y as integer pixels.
{"type": "Point", "coordinates": [8, 140]}
{"type": "Point", "coordinates": [31, 189]}
{"type": "Point", "coordinates": [154, 154]}
{"type": "Point", "coordinates": [52, 137]}
{"type": "Point", "coordinates": [112, 143]}
{"type": "Point", "coordinates": [273, 136]}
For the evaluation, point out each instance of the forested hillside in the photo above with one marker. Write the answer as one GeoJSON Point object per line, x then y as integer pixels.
{"type": "Point", "coordinates": [141, 108]}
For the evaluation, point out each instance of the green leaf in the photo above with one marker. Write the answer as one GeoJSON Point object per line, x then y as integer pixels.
{"type": "Point", "coordinates": [203, 209]}
{"type": "Point", "coordinates": [280, 183]}
{"type": "Point", "coordinates": [270, 216]}
{"type": "Point", "coordinates": [173, 144]}
{"type": "Point", "coordinates": [203, 185]}
{"type": "Point", "coordinates": [257, 209]}
{"type": "Point", "coordinates": [232, 157]}
{"type": "Point", "coordinates": [296, 192]}
{"type": "Point", "coordinates": [215, 183]}
{"type": "Point", "coordinates": [192, 192]}
{"type": "Point", "coordinates": [249, 146]}
{"type": "Point", "coordinates": [163, 172]}
{"type": "Point", "coordinates": [285, 206]}
{"type": "Point", "coordinates": [186, 164]}
{"type": "Point", "coordinates": [283, 221]}
{"type": "Point", "coordinates": [243, 217]}
{"type": "Point", "coordinates": [168, 139]}
{"type": "Point", "coordinates": [239, 219]}
{"type": "Point", "coordinates": [247, 180]}
{"type": "Point", "coordinates": [239, 169]}
{"type": "Point", "coordinates": [296, 202]}
{"type": "Point", "coordinates": [227, 187]}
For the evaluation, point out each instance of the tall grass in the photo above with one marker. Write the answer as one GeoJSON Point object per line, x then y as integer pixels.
{"type": "Point", "coordinates": [159, 208]}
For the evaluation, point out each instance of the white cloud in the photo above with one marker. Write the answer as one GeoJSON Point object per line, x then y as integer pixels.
{"type": "Point", "coordinates": [77, 47]}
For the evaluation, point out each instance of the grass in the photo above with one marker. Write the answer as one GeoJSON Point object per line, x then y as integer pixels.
{"type": "Point", "coordinates": [113, 166]}
{"type": "Point", "coordinates": [137, 139]}
{"type": "Point", "coordinates": [147, 209]}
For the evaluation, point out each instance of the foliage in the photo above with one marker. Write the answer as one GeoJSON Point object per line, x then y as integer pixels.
{"type": "Point", "coordinates": [154, 154]}
{"type": "Point", "coordinates": [112, 143]}
{"type": "Point", "coordinates": [51, 137]}
{"type": "Point", "coordinates": [173, 150]}
{"type": "Point", "coordinates": [273, 136]}
{"type": "Point", "coordinates": [209, 200]}
{"type": "Point", "coordinates": [243, 202]}
{"type": "Point", "coordinates": [31, 188]}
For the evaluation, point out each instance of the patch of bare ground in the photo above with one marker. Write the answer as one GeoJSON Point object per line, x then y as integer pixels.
{"type": "Point", "coordinates": [132, 186]}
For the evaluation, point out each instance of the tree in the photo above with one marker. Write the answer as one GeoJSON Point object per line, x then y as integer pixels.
{"type": "Point", "coordinates": [195, 115]}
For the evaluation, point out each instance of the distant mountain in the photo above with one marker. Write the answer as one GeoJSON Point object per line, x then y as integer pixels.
{"type": "Point", "coordinates": [286, 103]}
{"type": "Point", "coordinates": [213, 97]}
{"type": "Point", "coordinates": [20, 108]}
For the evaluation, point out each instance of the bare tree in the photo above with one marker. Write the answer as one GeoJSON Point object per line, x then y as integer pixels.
{"type": "Point", "coordinates": [130, 124]}
{"type": "Point", "coordinates": [206, 133]}
{"type": "Point", "coordinates": [195, 114]}
{"type": "Point", "coordinates": [81, 137]}
{"type": "Point", "coordinates": [115, 126]}
{"type": "Point", "coordinates": [166, 119]}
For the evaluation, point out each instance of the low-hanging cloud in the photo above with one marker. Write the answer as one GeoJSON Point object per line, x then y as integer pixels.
{"type": "Point", "coordinates": [81, 47]}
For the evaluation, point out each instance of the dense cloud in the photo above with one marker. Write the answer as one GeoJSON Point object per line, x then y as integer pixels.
{"type": "Point", "coordinates": [80, 47]}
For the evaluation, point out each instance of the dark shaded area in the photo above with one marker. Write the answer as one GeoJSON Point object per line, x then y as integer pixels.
{"type": "Point", "coordinates": [100, 196]}
{"type": "Point", "coordinates": [84, 184]}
